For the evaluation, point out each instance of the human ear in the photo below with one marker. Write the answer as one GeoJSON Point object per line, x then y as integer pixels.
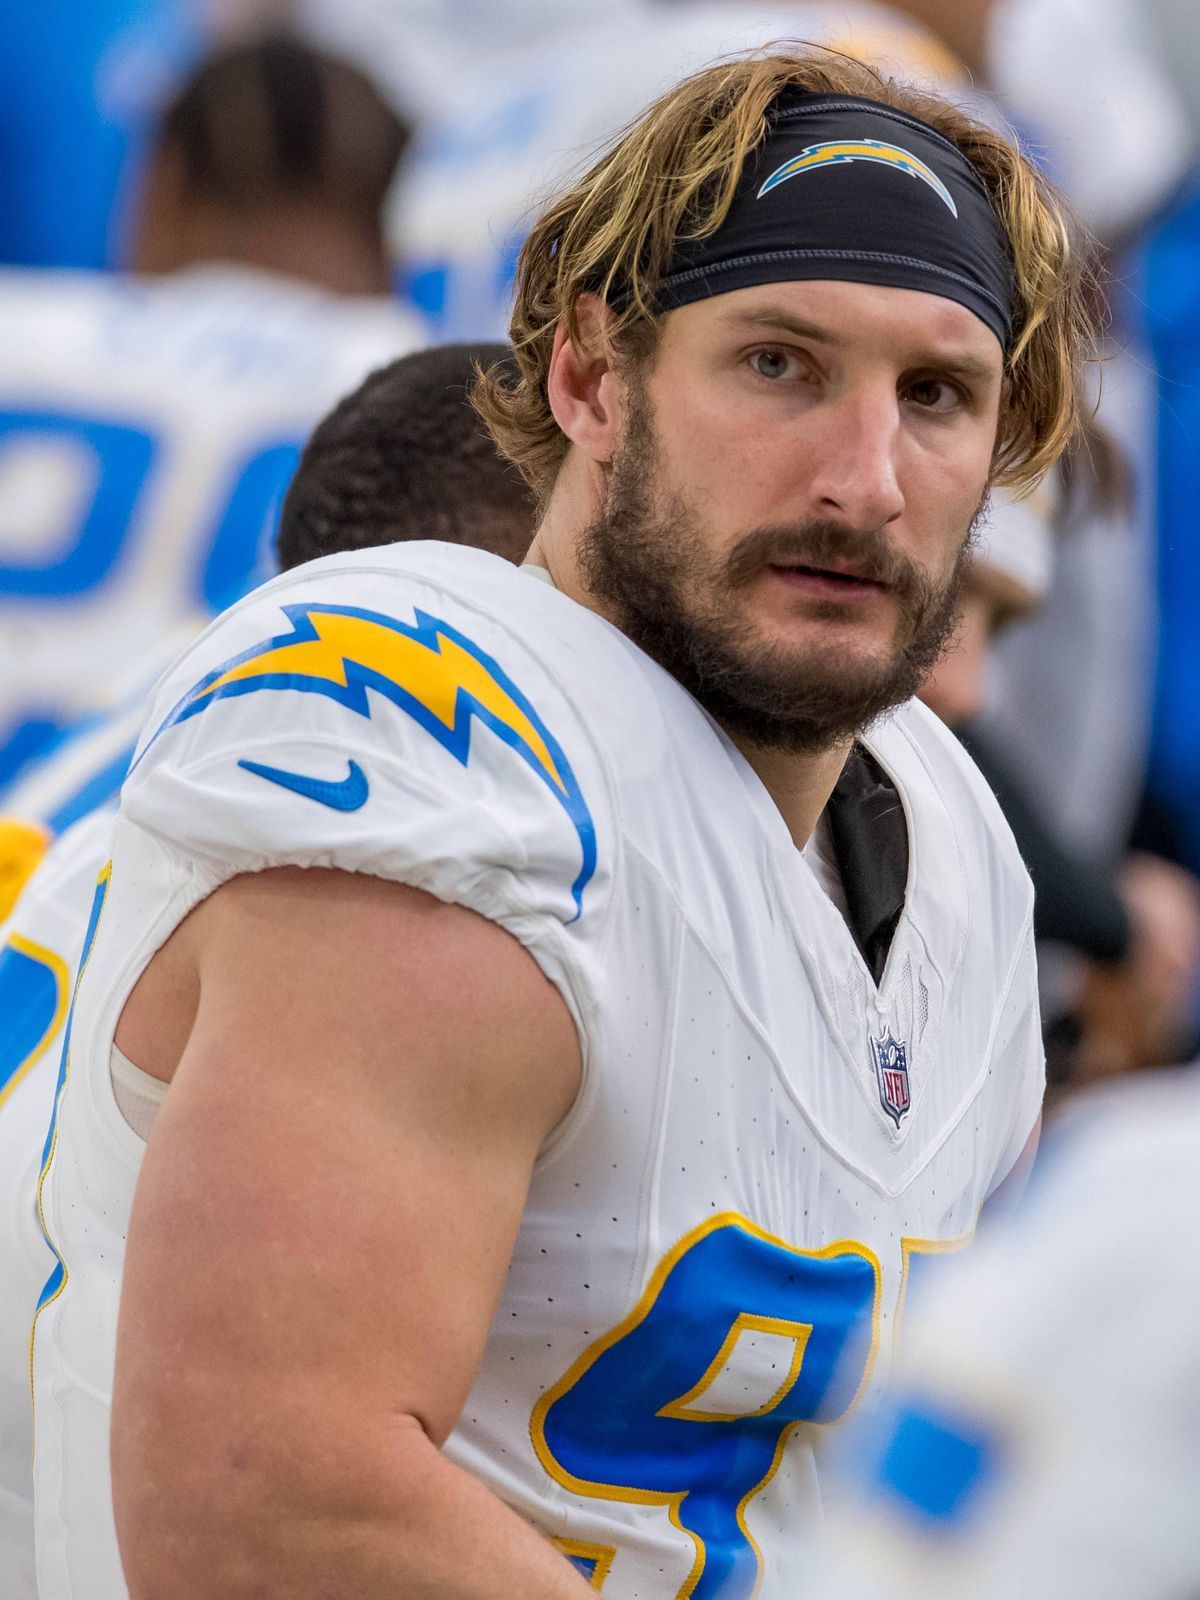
{"type": "Point", "coordinates": [582, 386]}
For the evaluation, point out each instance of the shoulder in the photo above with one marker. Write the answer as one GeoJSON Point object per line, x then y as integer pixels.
{"type": "Point", "coordinates": [422, 712]}
{"type": "Point", "coordinates": [65, 308]}
{"type": "Point", "coordinates": [421, 632]}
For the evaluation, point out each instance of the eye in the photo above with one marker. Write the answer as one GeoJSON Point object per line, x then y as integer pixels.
{"type": "Point", "coordinates": [774, 364]}
{"type": "Point", "coordinates": [934, 394]}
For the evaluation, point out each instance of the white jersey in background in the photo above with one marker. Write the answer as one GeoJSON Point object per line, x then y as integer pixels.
{"type": "Point", "coordinates": [1114, 131]}
{"type": "Point", "coordinates": [514, 126]}
{"type": "Point", "coordinates": [147, 431]}
{"type": "Point", "coordinates": [39, 952]}
{"type": "Point", "coordinates": [1044, 1439]}
{"type": "Point", "coordinates": [717, 1239]}
{"type": "Point", "coordinates": [415, 49]}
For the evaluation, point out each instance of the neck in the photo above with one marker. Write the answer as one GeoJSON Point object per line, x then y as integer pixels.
{"type": "Point", "coordinates": [576, 498]}
{"type": "Point", "coordinates": [311, 245]}
{"type": "Point", "coordinates": [799, 783]}
{"type": "Point", "coordinates": [291, 240]}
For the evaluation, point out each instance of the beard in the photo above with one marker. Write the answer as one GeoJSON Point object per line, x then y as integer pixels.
{"type": "Point", "coordinates": [644, 557]}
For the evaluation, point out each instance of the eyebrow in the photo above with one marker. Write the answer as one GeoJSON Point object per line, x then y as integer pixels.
{"type": "Point", "coordinates": [773, 317]}
{"type": "Point", "coordinates": [957, 365]}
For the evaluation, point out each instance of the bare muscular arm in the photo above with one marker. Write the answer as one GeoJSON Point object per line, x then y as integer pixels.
{"type": "Point", "coordinates": [319, 1238]}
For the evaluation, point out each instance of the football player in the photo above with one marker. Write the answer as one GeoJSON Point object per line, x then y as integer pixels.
{"type": "Point", "coordinates": [1044, 1440]}
{"type": "Point", "coordinates": [544, 1135]}
{"type": "Point", "coordinates": [149, 424]}
{"type": "Point", "coordinates": [373, 471]}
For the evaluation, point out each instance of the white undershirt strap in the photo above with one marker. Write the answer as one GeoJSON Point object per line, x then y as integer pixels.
{"type": "Point", "coordinates": [138, 1095]}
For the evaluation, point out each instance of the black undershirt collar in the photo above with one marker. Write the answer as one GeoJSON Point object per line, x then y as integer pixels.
{"type": "Point", "coordinates": [870, 840]}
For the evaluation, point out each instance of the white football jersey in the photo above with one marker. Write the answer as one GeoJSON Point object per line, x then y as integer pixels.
{"type": "Point", "coordinates": [1045, 1438]}
{"type": "Point", "coordinates": [147, 432]}
{"type": "Point", "coordinates": [717, 1239]}
{"type": "Point", "coordinates": [39, 952]}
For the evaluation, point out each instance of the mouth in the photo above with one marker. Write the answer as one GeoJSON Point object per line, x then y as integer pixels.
{"type": "Point", "coordinates": [829, 583]}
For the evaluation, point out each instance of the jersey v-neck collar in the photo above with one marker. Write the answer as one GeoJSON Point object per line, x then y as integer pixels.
{"type": "Point", "coordinates": [926, 948]}
{"type": "Point", "coordinates": [876, 891]}
{"type": "Point", "coordinates": [931, 919]}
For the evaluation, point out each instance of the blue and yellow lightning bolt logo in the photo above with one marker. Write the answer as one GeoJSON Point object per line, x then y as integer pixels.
{"type": "Point", "coordinates": [430, 670]}
{"type": "Point", "coordinates": [836, 151]}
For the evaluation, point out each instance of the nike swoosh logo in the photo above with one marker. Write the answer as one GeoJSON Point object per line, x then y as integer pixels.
{"type": "Point", "coordinates": [348, 795]}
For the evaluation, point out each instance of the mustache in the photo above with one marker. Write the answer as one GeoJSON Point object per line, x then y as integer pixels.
{"type": "Point", "coordinates": [822, 544]}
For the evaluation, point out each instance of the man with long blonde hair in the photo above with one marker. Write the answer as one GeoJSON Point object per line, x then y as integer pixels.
{"type": "Point", "coordinates": [581, 990]}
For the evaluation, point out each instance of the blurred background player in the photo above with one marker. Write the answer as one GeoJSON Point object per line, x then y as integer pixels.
{"type": "Point", "coordinates": [391, 457]}
{"type": "Point", "coordinates": [1129, 921]}
{"type": "Point", "coordinates": [400, 459]}
{"type": "Point", "coordinates": [1043, 1435]}
{"type": "Point", "coordinates": [520, 117]}
{"type": "Point", "coordinates": [404, 457]}
{"type": "Point", "coordinates": [149, 424]}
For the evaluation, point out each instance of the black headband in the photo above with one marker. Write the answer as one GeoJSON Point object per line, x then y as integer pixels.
{"type": "Point", "coordinates": [846, 188]}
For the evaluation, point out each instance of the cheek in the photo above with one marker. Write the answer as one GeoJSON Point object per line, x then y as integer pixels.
{"type": "Point", "coordinates": [944, 489]}
{"type": "Point", "coordinates": [717, 453]}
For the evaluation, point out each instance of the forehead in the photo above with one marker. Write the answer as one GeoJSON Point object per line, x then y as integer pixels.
{"type": "Point", "coordinates": [905, 324]}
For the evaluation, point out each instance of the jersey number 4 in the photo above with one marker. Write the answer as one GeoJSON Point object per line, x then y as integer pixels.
{"type": "Point", "coordinates": [738, 1339]}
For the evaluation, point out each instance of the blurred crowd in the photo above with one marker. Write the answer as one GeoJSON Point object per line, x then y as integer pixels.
{"type": "Point", "coordinates": [220, 214]}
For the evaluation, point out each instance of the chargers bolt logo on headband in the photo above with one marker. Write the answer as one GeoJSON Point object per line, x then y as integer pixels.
{"type": "Point", "coordinates": [835, 151]}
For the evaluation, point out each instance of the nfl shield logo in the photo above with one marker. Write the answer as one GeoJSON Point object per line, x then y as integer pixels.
{"type": "Point", "coordinates": [891, 1069]}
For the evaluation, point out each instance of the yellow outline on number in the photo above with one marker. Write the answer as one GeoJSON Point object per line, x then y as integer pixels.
{"type": "Point", "coordinates": [23, 847]}
{"type": "Point", "coordinates": [798, 1332]}
{"type": "Point", "coordinates": [62, 983]}
{"type": "Point", "coordinates": [656, 1497]}
{"type": "Point", "coordinates": [910, 1247]}
{"type": "Point", "coordinates": [603, 1555]}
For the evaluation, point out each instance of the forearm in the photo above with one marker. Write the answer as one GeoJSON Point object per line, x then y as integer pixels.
{"type": "Point", "coordinates": [435, 1533]}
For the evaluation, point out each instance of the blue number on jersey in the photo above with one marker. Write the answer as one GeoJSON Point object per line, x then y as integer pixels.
{"type": "Point", "coordinates": [118, 461]}
{"type": "Point", "coordinates": [33, 994]}
{"type": "Point", "coordinates": [239, 554]}
{"type": "Point", "coordinates": [630, 1420]}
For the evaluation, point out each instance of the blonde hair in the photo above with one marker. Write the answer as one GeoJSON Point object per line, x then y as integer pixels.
{"type": "Point", "coordinates": [672, 175]}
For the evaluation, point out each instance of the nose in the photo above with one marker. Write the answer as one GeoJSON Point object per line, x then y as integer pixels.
{"type": "Point", "coordinates": [855, 477]}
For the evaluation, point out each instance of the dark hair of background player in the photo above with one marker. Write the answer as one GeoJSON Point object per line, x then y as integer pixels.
{"type": "Point", "coordinates": [275, 117]}
{"type": "Point", "coordinates": [406, 457]}
{"type": "Point", "coordinates": [270, 153]}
